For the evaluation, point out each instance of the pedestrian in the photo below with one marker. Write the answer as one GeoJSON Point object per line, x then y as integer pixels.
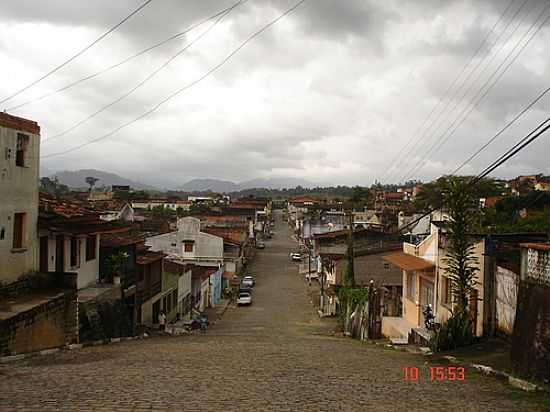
{"type": "Point", "coordinates": [162, 321]}
{"type": "Point", "coordinates": [204, 323]}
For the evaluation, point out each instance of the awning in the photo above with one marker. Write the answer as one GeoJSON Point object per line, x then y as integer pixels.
{"type": "Point", "coordinates": [408, 262]}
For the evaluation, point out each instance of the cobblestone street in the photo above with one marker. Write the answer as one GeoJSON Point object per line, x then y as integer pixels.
{"type": "Point", "coordinates": [275, 355]}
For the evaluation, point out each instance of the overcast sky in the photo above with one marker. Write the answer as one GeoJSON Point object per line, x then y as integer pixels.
{"type": "Point", "coordinates": [331, 93]}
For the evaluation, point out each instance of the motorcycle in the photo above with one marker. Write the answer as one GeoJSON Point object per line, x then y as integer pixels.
{"type": "Point", "coordinates": [429, 318]}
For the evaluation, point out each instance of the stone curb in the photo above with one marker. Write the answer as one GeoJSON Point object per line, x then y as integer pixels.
{"type": "Point", "coordinates": [73, 346]}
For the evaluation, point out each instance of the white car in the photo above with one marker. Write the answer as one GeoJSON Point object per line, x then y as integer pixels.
{"type": "Point", "coordinates": [312, 276]}
{"type": "Point", "coordinates": [296, 257]}
{"type": "Point", "coordinates": [248, 281]}
{"type": "Point", "coordinates": [244, 298]}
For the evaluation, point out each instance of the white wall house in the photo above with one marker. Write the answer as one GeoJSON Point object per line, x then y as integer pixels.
{"type": "Point", "coordinates": [188, 243]}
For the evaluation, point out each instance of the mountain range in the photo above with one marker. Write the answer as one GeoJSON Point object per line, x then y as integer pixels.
{"type": "Point", "coordinates": [76, 179]}
{"type": "Point", "coordinates": [225, 186]}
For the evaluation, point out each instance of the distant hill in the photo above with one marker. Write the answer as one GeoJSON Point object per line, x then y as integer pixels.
{"type": "Point", "coordinates": [224, 186]}
{"type": "Point", "coordinates": [76, 179]}
{"type": "Point", "coordinates": [203, 185]}
{"type": "Point", "coordinates": [275, 183]}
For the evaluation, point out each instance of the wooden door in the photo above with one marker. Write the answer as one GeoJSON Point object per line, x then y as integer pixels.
{"type": "Point", "coordinates": [59, 253]}
{"type": "Point", "coordinates": [43, 254]}
{"type": "Point", "coordinates": [473, 309]}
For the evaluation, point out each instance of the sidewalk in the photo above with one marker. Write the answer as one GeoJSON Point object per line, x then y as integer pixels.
{"type": "Point", "coordinates": [492, 352]}
{"type": "Point", "coordinates": [214, 314]}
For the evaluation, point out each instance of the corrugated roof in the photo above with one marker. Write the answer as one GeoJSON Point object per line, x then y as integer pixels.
{"type": "Point", "coordinates": [408, 262]}
{"type": "Point", "coordinates": [116, 240]}
{"type": "Point", "coordinates": [149, 257]}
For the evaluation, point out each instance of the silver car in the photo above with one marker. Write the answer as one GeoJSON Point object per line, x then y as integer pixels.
{"type": "Point", "coordinates": [244, 298]}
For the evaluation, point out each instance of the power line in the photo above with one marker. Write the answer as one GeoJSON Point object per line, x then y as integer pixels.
{"type": "Point", "coordinates": [531, 137]}
{"type": "Point", "coordinates": [488, 60]}
{"type": "Point", "coordinates": [480, 95]}
{"type": "Point", "coordinates": [396, 160]}
{"type": "Point", "coordinates": [126, 60]}
{"type": "Point", "coordinates": [520, 145]}
{"type": "Point", "coordinates": [141, 83]}
{"type": "Point", "coordinates": [510, 123]}
{"type": "Point", "coordinates": [89, 46]}
{"type": "Point", "coordinates": [179, 91]}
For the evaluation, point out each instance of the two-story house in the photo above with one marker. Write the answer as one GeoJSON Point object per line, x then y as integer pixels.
{"type": "Point", "coordinates": [37, 310]}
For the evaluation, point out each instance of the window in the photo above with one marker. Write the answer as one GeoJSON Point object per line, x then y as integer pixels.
{"type": "Point", "coordinates": [188, 247]}
{"type": "Point", "coordinates": [75, 258]}
{"type": "Point", "coordinates": [22, 142]}
{"type": "Point", "coordinates": [411, 285]}
{"type": "Point", "coordinates": [18, 230]}
{"type": "Point", "coordinates": [447, 292]}
{"type": "Point", "coordinates": [386, 266]}
{"type": "Point", "coordinates": [91, 247]}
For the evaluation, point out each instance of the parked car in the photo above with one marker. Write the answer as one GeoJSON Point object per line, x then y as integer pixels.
{"type": "Point", "coordinates": [248, 281]}
{"type": "Point", "coordinates": [260, 245]}
{"type": "Point", "coordinates": [296, 257]}
{"type": "Point", "coordinates": [245, 289]}
{"type": "Point", "coordinates": [245, 298]}
{"type": "Point", "coordinates": [312, 276]}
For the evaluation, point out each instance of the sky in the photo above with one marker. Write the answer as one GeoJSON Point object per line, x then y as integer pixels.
{"type": "Point", "coordinates": [337, 92]}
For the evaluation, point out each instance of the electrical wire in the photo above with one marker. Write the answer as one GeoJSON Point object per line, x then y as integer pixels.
{"type": "Point", "coordinates": [399, 157]}
{"type": "Point", "coordinates": [481, 94]}
{"type": "Point", "coordinates": [515, 149]}
{"type": "Point", "coordinates": [510, 123]}
{"type": "Point", "coordinates": [141, 83]}
{"type": "Point", "coordinates": [66, 62]}
{"type": "Point", "coordinates": [126, 60]}
{"type": "Point", "coordinates": [179, 91]}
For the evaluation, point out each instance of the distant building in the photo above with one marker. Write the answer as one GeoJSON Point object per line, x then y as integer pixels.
{"type": "Point", "coordinates": [120, 188]}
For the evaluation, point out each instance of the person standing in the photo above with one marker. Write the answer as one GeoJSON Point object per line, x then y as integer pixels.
{"type": "Point", "coordinates": [162, 321]}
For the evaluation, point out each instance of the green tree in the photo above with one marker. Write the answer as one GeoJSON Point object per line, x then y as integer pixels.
{"type": "Point", "coordinates": [431, 194]}
{"type": "Point", "coordinates": [91, 181]}
{"type": "Point", "coordinates": [461, 262]}
{"type": "Point", "coordinates": [53, 187]}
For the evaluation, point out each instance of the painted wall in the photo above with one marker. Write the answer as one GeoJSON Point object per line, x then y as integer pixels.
{"type": "Point", "coordinates": [87, 271]}
{"type": "Point", "coordinates": [205, 246]}
{"type": "Point", "coordinates": [507, 285]}
{"type": "Point", "coordinates": [442, 311]}
{"type": "Point", "coordinates": [18, 194]}
{"type": "Point", "coordinates": [216, 286]}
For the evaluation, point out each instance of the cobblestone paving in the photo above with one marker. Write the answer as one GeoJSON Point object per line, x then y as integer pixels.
{"type": "Point", "coordinates": [275, 355]}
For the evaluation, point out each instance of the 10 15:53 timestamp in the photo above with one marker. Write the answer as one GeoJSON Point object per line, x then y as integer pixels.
{"type": "Point", "coordinates": [435, 373]}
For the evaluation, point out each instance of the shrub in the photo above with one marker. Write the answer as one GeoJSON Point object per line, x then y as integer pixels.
{"type": "Point", "coordinates": [456, 332]}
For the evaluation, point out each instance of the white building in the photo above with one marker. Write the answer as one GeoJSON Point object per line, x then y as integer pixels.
{"type": "Point", "coordinates": [189, 244]}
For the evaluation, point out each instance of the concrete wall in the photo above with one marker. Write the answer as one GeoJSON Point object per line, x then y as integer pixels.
{"type": "Point", "coordinates": [18, 194]}
{"type": "Point", "coordinates": [204, 244]}
{"type": "Point", "coordinates": [507, 284]}
{"type": "Point", "coordinates": [87, 271]}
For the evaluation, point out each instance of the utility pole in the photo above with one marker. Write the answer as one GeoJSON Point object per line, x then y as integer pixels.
{"type": "Point", "coordinates": [350, 270]}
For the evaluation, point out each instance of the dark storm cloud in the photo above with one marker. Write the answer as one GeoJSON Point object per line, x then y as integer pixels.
{"type": "Point", "coordinates": [330, 93]}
